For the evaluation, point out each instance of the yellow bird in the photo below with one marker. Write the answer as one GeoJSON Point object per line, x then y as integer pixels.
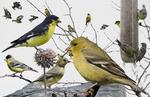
{"type": "Point", "coordinates": [16, 66]}
{"type": "Point", "coordinates": [54, 74]}
{"type": "Point", "coordinates": [88, 19]}
{"type": "Point", "coordinates": [38, 35]}
{"type": "Point", "coordinates": [47, 13]}
{"type": "Point", "coordinates": [95, 65]}
{"type": "Point", "coordinates": [142, 14]}
{"type": "Point", "coordinates": [117, 23]}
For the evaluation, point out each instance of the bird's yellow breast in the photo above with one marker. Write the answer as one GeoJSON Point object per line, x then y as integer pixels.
{"type": "Point", "coordinates": [89, 71]}
{"type": "Point", "coordinates": [14, 69]}
{"type": "Point", "coordinates": [40, 40]}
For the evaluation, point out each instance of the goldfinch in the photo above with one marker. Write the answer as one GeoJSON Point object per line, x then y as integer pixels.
{"type": "Point", "coordinates": [18, 19]}
{"type": "Point", "coordinates": [142, 14]}
{"type": "Point", "coordinates": [141, 52]}
{"type": "Point", "coordinates": [95, 65]}
{"type": "Point", "coordinates": [7, 14]}
{"type": "Point", "coordinates": [16, 66]}
{"type": "Point", "coordinates": [88, 19]}
{"type": "Point", "coordinates": [54, 74]}
{"type": "Point", "coordinates": [38, 35]}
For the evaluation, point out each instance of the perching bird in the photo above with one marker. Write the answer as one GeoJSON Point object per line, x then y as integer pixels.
{"type": "Point", "coordinates": [54, 74]}
{"type": "Point", "coordinates": [88, 19]}
{"type": "Point", "coordinates": [70, 29]}
{"type": "Point", "coordinates": [38, 35]}
{"type": "Point", "coordinates": [141, 52]}
{"type": "Point", "coordinates": [95, 65]}
{"type": "Point", "coordinates": [16, 5]}
{"type": "Point", "coordinates": [47, 13]}
{"type": "Point", "coordinates": [142, 14]}
{"type": "Point", "coordinates": [104, 26]}
{"type": "Point", "coordinates": [7, 14]}
{"type": "Point", "coordinates": [117, 23]}
{"type": "Point", "coordinates": [16, 66]}
{"type": "Point", "coordinates": [33, 17]}
{"type": "Point", "coordinates": [18, 19]}
{"type": "Point", "coordinates": [127, 49]}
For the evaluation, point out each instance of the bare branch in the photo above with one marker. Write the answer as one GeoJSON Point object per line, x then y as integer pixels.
{"type": "Point", "coordinates": [70, 15]}
{"type": "Point", "coordinates": [63, 41]}
{"type": "Point", "coordinates": [48, 7]}
{"type": "Point", "coordinates": [94, 32]}
{"type": "Point", "coordinates": [35, 7]}
{"type": "Point", "coordinates": [145, 70]}
{"type": "Point", "coordinates": [83, 30]}
{"type": "Point", "coordinates": [146, 77]}
{"type": "Point", "coordinates": [65, 32]}
{"type": "Point", "coordinates": [17, 76]}
{"type": "Point", "coordinates": [58, 46]}
{"type": "Point", "coordinates": [61, 34]}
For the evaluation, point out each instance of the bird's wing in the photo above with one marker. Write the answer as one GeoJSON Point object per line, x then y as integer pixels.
{"type": "Point", "coordinates": [7, 13]}
{"type": "Point", "coordinates": [38, 30]}
{"type": "Point", "coordinates": [48, 76]}
{"type": "Point", "coordinates": [105, 63]}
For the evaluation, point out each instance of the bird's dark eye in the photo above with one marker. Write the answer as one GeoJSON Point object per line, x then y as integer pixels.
{"type": "Point", "coordinates": [74, 44]}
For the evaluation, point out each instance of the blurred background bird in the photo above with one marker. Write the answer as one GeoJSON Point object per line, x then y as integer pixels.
{"type": "Point", "coordinates": [54, 74]}
{"type": "Point", "coordinates": [7, 14]}
{"type": "Point", "coordinates": [95, 65]}
{"type": "Point", "coordinates": [142, 14]}
{"type": "Point", "coordinates": [104, 26]}
{"type": "Point", "coordinates": [38, 35]}
{"type": "Point", "coordinates": [117, 23]}
{"type": "Point", "coordinates": [16, 66]}
{"type": "Point", "coordinates": [47, 13]}
{"type": "Point", "coordinates": [18, 19]}
{"type": "Point", "coordinates": [33, 17]}
{"type": "Point", "coordinates": [16, 5]}
{"type": "Point", "coordinates": [70, 28]}
{"type": "Point", "coordinates": [141, 52]}
{"type": "Point", "coordinates": [88, 19]}
{"type": "Point", "coordinates": [127, 49]}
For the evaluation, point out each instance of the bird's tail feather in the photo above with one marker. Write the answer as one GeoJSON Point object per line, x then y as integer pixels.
{"type": "Point", "coordinates": [13, 45]}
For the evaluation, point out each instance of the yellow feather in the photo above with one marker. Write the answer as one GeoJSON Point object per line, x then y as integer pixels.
{"type": "Point", "coordinates": [40, 40]}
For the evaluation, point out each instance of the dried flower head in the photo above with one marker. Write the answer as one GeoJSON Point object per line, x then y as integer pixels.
{"type": "Point", "coordinates": [45, 58]}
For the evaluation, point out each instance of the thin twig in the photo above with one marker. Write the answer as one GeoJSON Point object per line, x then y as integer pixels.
{"type": "Point", "coordinates": [70, 83]}
{"type": "Point", "coordinates": [45, 85]}
{"type": "Point", "coordinates": [145, 70]}
{"type": "Point", "coordinates": [115, 4]}
{"type": "Point", "coordinates": [57, 46]}
{"type": "Point", "coordinates": [95, 33]}
{"type": "Point", "coordinates": [146, 77]}
{"type": "Point", "coordinates": [108, 46]}
{"type": "Point", "coordinates": [147, 58]}
{"type": "Point", "coordinates": [17, 76]}
{"type": "Point", "coordinates": [147, 28]}
{"type": "Point", "coordinates": [83, 30]}
{"type": "Point", "coordinates": [63, 41]}
{"type": "Point", "coordinates": [61, 34]}
{"type": "Point", "coordinates": [35, 7]}
{"type": "Point", "coordinates": [48, 7]}
{"type": "Point", "coordinates": [65, 32]}
{"type": "Point", "coordinates": [70, 15]}
{"type": "Point", "coordinates": [147, 85]}
{"type": "Point", "coordinates": [109, 38]}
